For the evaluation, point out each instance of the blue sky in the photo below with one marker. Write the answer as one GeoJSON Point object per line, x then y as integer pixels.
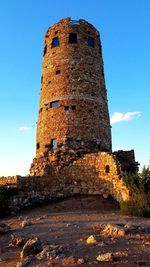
{"type": "Point", "coordinates": [124, 26]}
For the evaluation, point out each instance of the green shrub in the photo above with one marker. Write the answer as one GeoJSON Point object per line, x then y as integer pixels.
{"type": "Point", "coordinates": [139, 186]}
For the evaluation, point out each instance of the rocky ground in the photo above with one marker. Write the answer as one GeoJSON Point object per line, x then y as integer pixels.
{"type": "Point", "coordinates": [81, 231]}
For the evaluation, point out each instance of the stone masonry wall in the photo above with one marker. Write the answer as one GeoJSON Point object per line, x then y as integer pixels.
{"type": "Point", "coordinates": [87, 173]}
{"type": "Point", "coordinates": [73, 81]}
{"type": "Point", "coordinates": [95, 173]}
{"type": "Point", "coordinates": [127, 160]}
{"type": "Point", "coordinates": [9, 181]}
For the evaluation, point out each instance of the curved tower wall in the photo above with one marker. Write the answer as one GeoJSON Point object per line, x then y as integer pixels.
{"type": "Point", "coordinates": [73, 107]}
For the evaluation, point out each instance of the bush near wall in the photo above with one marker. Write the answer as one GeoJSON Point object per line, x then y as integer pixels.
{"type": "Point", "coordinates": [139, 185]}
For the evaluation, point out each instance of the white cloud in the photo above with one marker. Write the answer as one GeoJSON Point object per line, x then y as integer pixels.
{"type": "Point", "coordinates": [24, 128]}
{"type": "Point", "coordinates": [118, 116]}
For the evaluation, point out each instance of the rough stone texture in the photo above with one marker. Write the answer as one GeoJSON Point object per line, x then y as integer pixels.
{"type": "Point", "coordinates": [32, 246]}
{"type": "Point", "coordinates": [127, 160]}
{"type": "Point", "coordinates": [105, 257]}
{"type": "Point", "coordinates": [91, 240]}
{"type": "Point", "coordinates": [25, 223]}
{"type": "Point", "coordinates": [90, 174]}
{"type": "Point", "coordinates": [80, 83]}
{"type": "Point", "coordinates": [94, 173]}
{"type": "Point", "coordinates": [120, 230]}
{"type": "Point", "coordinates": [9, 181]}
{"type": "Point", "coordinates": [18, 240]}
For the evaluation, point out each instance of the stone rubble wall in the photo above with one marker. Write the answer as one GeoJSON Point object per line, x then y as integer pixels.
{"type": "Point", "coordinates": [127, 160]}
{"type": "Point", "coordinates": [94, 173]}
{"type": "Point", "coordinates": [9, 181]}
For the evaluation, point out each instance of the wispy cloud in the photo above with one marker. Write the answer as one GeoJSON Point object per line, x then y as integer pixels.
{"type": "Point", "coordinates": [24, 128]}
{"type": "Point", "coordinates": [118, 116]}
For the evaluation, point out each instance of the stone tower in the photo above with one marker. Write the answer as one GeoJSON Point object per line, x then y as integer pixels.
{"type": "Point", "coordinates": [73, 109]}
{"type": "Point", "coordinates": [73, 149]}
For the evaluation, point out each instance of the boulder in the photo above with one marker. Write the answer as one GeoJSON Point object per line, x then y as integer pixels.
{"type": "Point", "coordinates": [80, 261]}
{"type": "Point", "coordinates": [26, 223]}
{"type": "Point", "coordinates": [18, 240]}
{"type": "Point", "coordinates": [106, 257]}
{"type": "Point", "coordinates": [91, 240]}
{"type": "Point", "coordinates": [32, 246]}
{"type": "Point", "coordinates": [111, 230]}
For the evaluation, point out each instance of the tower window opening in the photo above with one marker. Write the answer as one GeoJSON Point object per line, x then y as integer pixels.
{"type": "Point", "coordinates": [73, 107]}
{"type": "Point", "coordinates": [73, 38]}
{"type": "Point", "coordinates": [69, 141]}
{"type": "Point", "coordinates": [107, 169]}
{"type": "Point", "coordinates": [66, 108]}
{"type": "Point", "coordinates": [90, 41]}
{"type": "Point", "coordinates": [58, 71]}
{"type": "Point", "coordinates": [54, 143]}
{"type": "Point", "coordinates": [38, 145]}
{"type": "Point", "coordinates": [45, 50]}
{"type": "Point", "coordinates": [74, 22]}
{"type": "Point", "coordinates": [41, 109]}
{"type": "Point", "coordinates": [78, 141]}
{"type": "Point", "coordinates": [54, 104]}
{"type": "Point", "coordinates": [55, 42]}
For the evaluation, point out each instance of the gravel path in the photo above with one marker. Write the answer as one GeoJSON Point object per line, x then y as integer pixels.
{"type": "Point", "coordinates": [63, 229]}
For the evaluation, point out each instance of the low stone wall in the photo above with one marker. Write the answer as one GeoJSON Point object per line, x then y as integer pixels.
{"type": "Point", "coordinates": [9, 181]}
{"type": "Point", "coordinates": [127, 160]}
{"type": "Point", "coordinates": [94, 173]}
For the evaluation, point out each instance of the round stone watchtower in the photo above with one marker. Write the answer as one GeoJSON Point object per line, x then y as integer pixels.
{"type": "Point", "coordinates": [73, 109]}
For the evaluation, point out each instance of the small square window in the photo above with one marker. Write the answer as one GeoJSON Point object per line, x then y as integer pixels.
{"type": "Point", "coordinates": [90, 41]}
{"type": "Point", "coordinates": [69, 141]}
{"type": "Point", "coordinates": [78, 141]}
{"type": "Point", "coordinates": [54, 143]}
{"type": "Point", "coordinates": [66, 108]}
{"type": "Point", "coordinates": [107, 169]}
{"type": "Point", "coordinates": [58, 71]}
{"type": "Point", "coordinates": [38, 145]}
{"type": "Point", "coordinates": [55, 42]}
{"type": "Point", "coordinates": [54, 104]}
{"type": "Point", "coordinates": [73, 107]}
{"type": "Point", "coordinates": [73, 38]}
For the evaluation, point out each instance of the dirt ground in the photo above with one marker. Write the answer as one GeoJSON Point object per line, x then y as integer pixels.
{"type": "Point", "coordinates": [66, 225]}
